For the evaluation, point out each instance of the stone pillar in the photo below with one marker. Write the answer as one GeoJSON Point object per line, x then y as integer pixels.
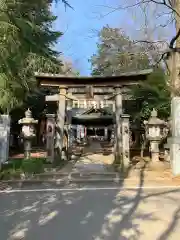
{"type": "Point", "coordinates": [85, 104]}
{"type": "Point", "coordinates": [4, 138]}
{"type": "Point", "coordinates": [60, 120]}
{"type": "Point", "coordinates": [118, 130]}
{"type": "Point", "coordinates": [101, 104]}
{"type": "Point", "coordinates": [113, 134]}
{"type": "Point", "coordinates": [50, 136]}
{"type": "Point", "coordinates": [70, 129]}
{"type": "Point", "coordinates": [85, 134]}
{"type": "Point", "coordinates": [106, 133]}
{"type": "Point", "coordinates": [78, 133]}
{"type": "Point", "coordinates": [125, 141]}
{"type": "Point", "coordinates": [175, 140]}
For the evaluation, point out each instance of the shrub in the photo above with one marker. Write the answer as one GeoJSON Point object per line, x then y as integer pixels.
{"type": "Point", "coordinates": [10, 174]}
{"type": "Point", "coordinates": [32, 166]}
{"type": "Point", "coordinates": [12, 164]}
{"type": "Point", "coordinates": [17, 163]}
{"type": "Point", "coordinates": [6, 166]}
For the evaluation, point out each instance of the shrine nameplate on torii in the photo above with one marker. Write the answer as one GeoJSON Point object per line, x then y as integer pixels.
{"type": "Point", "coordinates": [64, 82]}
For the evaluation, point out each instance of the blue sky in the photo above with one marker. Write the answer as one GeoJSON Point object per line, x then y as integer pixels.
{"type": "Point", "coordinates": [80, 27]}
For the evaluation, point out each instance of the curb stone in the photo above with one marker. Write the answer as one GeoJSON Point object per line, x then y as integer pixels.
{"type": "Point", "coordinates": [10, 184]}
{"type": "Point", "coordinates": [4, 186]}
{"type": "Point", "coordinates": [60, 179]}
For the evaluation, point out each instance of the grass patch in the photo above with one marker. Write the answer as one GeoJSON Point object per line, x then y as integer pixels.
{"type": "Point", "coordinates": [16, 167]}
{"type": "Point", "coordinates": [32, 166]}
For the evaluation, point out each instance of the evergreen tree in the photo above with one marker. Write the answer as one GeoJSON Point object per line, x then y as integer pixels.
{"type": "Point", "coordinates": [26, 46]}
{"type": "Point", "coordinates": [153, 93]}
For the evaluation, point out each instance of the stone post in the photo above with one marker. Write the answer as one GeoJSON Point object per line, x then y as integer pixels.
{"type": "Point", "coordinates": [118, 130]}
{"type": "Point", "coordinates": [175, 140]}
{"type": "Point", "coordinates": [112, 134]}
{"type": "Point", "coordinates": [125, 141]}
{"type": "Point", "coordinates": [4, 138]}
{"type": "Point", "coordinates": [60, 120]}
{"type": "Point", "coordinates": [106, 133]}
{"type": "Point", "coordinates": [78, 133]}
{"type": "Point", "coordinates": [50, 136]}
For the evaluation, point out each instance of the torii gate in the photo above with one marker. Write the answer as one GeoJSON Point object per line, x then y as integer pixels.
{"type": "Point", "coordinates": [64, 82]}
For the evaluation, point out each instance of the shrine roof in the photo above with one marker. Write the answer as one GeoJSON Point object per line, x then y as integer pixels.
{"type": "Point", "coordinates": [91, 116]}
{"type": "Point", "coordinates": [95, 111]}
{"type": "Point", "coordinates": [127, 78]}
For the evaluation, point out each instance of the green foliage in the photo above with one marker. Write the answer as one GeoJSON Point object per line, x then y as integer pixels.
{"type": "Point", "coordinates": [32, 166]}
{"type": "Point", "coordinates": [10, 174]}
{"type": "Point", "coordinates": [117, 54]}
{"type": "Point", "coordinates": [12, 164]}
{"type": "Point", "coordinates": [153, 93]}
{"type": "Point", "coordinates": [15, 167]}
{"type": "Point", "coordinates": [26, 45]}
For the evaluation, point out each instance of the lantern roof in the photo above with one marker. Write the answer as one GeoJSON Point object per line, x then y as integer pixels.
{"type": "Point", "coordinates": [154, 120]}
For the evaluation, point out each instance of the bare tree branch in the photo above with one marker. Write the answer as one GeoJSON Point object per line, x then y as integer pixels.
{"type": "Point", "coordinates": [163, 2]}
{"type": "Point", "coordinates": [149, 42]}
{"type": "Point", "coordinates": [165, 56]}
{"type": "Point", "coordinates": [171, 45]}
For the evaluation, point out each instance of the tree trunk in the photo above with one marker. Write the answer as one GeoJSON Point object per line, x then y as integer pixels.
{"type": "Point", "coordinates": [175, 57]}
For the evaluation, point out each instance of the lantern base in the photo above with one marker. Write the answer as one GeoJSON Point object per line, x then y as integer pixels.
{"type": "Point", "coordinates": [158, 166]}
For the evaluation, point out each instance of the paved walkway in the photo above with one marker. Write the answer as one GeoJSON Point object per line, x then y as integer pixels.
{"type": "Point", "coordinates": [93, 159]}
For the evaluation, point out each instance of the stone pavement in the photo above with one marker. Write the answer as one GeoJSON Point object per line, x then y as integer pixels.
{"type": "Point", "coordinates": [94, 160]}
{"type": "Point", "coordinates": [92, 163]}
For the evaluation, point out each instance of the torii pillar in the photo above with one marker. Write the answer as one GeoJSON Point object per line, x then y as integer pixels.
{"type": "Point", "coordinates": [61, 113]}
{"type": "Point", "coordinates": [60, 120]}
{"type": "Point", "coordinates": [118, 126]}
{"type": "Point", "coordinates": [121, 148]}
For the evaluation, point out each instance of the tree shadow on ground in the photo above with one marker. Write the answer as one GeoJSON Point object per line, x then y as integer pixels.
{"type": "Point", "coordinates": [99, 214]}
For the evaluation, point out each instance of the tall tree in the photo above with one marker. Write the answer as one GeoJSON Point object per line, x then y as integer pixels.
{"type": "Point", "coordinates": [26, 45]}
{"type": "Point", "coordinates": [153, 93]}
{"type": "Point", "coordinates": [117, 53]}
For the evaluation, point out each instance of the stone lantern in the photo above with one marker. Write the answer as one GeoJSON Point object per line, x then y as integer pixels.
{"type": "Point", "coordinates": [154, 133]}
{"type": "Point", "coordinates": [28, 132]}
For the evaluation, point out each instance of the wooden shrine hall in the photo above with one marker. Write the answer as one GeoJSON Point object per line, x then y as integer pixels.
{"type": "Point", "coordinates": [92, 101]}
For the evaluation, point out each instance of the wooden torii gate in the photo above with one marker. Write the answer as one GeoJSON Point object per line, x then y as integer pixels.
{"type": "Point", "coordinates": [64, 82]}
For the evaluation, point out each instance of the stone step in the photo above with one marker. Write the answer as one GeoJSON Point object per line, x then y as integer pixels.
{"type": "Point", "coordinates": [93, 175]}
{"type": "Point", "coordinates": [4, 186]}
{"type": "Point", "coordinates": [95, 180]}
